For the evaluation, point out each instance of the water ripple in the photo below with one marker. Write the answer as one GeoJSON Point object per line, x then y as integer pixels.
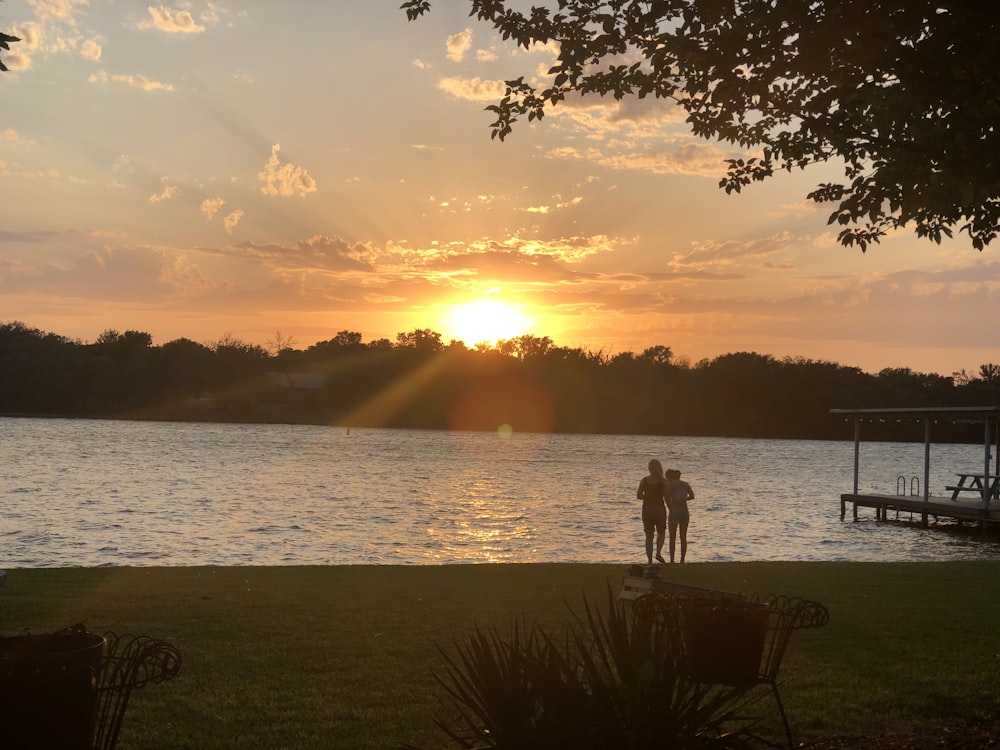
{"type": "Point", "coordinates": [149, 493]}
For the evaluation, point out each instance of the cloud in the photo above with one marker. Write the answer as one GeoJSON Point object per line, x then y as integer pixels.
{"type": "Point", "coordinates": [557, 206]}
{"type": "Point", "coordinates": [696, 159]}
{"type": "Point", "coordinates": [30, 35]}
{"type": "Point", "coordinates": [486, 55]}
{"type": "Point", "coordinates": [139, 82]}
{"type": "Point", "coordinates": [232, 219]}
{"type": "Point", "coordinates": [285, 179]}
{"type": "Point", "coordinates": [514, 260]}
{"type": "Point", "coordinates": [17, 63]}
{"type": "Point", "coordinates": [13, 57]}
{"type": "Point", "coordinates": [692, 158]}
{"type": "Point", "coordinates": [212, 14]}
{"type": "Point", "coordinates": [171, 20]}
{"type": "Point", "coordinates": [93, 270]}
{"type": "Point", "coordinates": [123, 165]}
{"type": "Point", "coordinates": [473, 89]}
{"type": "Point", "coordinates": [54, 32]}
{"type": "Point", "coordinates": [211, 206]}
{"type": "Point", "coordinates": [91, 50]}
{"type": "Point", "coordinates": [61, 11]}
{"type": "Point", "coordinates": [318, 253]}
{"type": "Point", "coordinates": [18, 59]}
{"type": "Point", "coordinates": [458, 44]}
{"type": "Point", "coordinates": [166, 194]}
{"type": "Point", "coordinates": [715, 254]}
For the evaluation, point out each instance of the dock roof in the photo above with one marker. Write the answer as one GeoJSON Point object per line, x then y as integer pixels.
{"type": "Point", "coordinates": [946, 412]}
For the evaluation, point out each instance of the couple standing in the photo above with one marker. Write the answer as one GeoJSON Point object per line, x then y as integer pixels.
{"type": "Point", "coordinates": [659, 492]}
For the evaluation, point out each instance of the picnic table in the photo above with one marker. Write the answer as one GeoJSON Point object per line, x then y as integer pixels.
{"type": "Point", "coordinates": [985, 485]}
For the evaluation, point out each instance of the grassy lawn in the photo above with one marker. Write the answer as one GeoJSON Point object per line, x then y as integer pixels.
{"type": "Point", "coordinates": [342, 657]}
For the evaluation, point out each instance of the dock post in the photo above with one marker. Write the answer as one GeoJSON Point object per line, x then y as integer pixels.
{"type": "Point", "coordinates": [927, 458]}
{"type": "Point", "coordinates": [857, 453]}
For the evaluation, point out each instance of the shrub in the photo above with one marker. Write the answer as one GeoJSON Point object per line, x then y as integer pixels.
{"type": "Point", "coordinates": [611, 682]}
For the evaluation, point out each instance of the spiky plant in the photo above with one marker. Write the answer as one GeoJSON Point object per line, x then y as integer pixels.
{"type": "Point", "coordinates": [612, 682]}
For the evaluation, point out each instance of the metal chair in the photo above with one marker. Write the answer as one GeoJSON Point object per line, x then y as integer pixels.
{"type": "Point", "coordinates": [737, 643]}
{"type": "Point", "coordinates": [129, 662]}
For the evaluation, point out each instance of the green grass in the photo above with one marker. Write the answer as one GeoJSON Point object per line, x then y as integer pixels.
{"type": "Point", "coordinates": [342, 657]}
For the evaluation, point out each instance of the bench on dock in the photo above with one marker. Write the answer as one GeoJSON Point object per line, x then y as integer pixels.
{"type": "Point", "coordinates": [954, 489]}
{"type": "Point", "coordinates": [988, 484]}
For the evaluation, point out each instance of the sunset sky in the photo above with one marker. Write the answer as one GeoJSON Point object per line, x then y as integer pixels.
{"type": "Point", "coordinates": [244, 169]}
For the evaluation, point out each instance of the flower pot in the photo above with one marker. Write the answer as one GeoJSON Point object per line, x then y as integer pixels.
{"type": "Point", "coordinates": [723, 641]}
{"type": "Point", "coordinates": [48, 690]}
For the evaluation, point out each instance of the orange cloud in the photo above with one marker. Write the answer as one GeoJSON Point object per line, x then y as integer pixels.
{"type": "Point", "coordinates": [171, 21]}
{"type": "Point", "coordinates": [473, 89]}
{"type": "Point", "coordinates": [139, 82]}
{"type": "Point", "coordinates": [232, 219]}
{"type": "Point", "coordinates": [458, 44]}
{"type": "Point", "coordinates": [285, 179]}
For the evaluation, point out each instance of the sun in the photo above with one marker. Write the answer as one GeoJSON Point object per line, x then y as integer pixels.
{"type": "Point", "coordinates": [486, 321]}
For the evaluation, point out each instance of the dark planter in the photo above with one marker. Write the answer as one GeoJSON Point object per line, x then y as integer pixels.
{"type": "Point", "coordinates": [724, 640]}
{"type": "Point", "coordinates": [48, 690]}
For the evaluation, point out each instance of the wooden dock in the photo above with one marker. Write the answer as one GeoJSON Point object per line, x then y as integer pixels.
{"type": "Point", "coordinates": [961, 510]}
{"type": "Point", "coordinates": [975, 502]}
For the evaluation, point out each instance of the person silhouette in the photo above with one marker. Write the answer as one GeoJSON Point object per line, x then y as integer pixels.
{"type": "Point", "coordinates": [652, 491]}
{"type": "Point", "coordinates": [677, 495]}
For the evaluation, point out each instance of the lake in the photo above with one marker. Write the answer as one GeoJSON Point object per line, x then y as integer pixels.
{"type": "Point", "coordinates": [82, 492]}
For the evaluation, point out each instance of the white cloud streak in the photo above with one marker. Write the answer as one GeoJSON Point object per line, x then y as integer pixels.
{"type": "Point", "coordinates": [138, 82]}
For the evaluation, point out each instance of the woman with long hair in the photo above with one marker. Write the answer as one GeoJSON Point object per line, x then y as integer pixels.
{"type": "Point", "coordinates": [652, 492]}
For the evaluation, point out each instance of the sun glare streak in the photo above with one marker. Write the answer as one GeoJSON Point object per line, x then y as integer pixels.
{"type": "Point", "coordinates": [390, 401]}
{"type": "Point", "coordinates": [486, 321]}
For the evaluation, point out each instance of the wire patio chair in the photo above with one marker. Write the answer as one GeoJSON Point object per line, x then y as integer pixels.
{"type": "Point", "coordinates": [736, 643]}
{"type": "Point", "coordinates": [129, 662]}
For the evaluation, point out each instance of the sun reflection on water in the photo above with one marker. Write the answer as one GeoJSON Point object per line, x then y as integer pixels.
{"type": "Point", "coordinates": [134, 493]}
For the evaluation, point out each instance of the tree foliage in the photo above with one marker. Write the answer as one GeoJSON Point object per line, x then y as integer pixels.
{"type": "Point", "coordinates": [528, 383]}
{"type": "Point", "coordinates": [5, 41]}
{"type": "Point", "coordinates": [904, 95]}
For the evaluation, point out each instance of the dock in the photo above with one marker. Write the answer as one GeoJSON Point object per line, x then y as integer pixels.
{"type": "Point", "coordinates": [977, 502]}
{"type": "Point", "coordinates": [892, 507]}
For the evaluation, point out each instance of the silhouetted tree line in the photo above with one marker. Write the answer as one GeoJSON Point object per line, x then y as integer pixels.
{"type": "Point", "coordinates": [418, 381]}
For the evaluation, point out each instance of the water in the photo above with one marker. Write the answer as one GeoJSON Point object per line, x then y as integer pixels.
{"type": "Point", "coordinates": [99, 493]}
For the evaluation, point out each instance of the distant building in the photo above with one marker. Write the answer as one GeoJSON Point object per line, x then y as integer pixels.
{"type": "Point", "coordinates": [312, 381]}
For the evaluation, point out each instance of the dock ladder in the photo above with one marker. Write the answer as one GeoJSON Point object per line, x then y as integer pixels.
{"type": "Point", "coordinates": [901, 489]}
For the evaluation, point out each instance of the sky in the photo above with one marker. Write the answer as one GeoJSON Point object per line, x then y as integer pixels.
{"type": "Point", "coordinates": [277, 173]}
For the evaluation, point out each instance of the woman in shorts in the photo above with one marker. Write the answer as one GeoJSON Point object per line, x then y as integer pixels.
{"type": "Point", "coordinates": [652, 492]}
{"type": "Point", "coordinates": [678, 493]}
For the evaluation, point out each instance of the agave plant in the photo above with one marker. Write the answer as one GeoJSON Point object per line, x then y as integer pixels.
{"type": "Point", "coordinates": [611, 682]}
